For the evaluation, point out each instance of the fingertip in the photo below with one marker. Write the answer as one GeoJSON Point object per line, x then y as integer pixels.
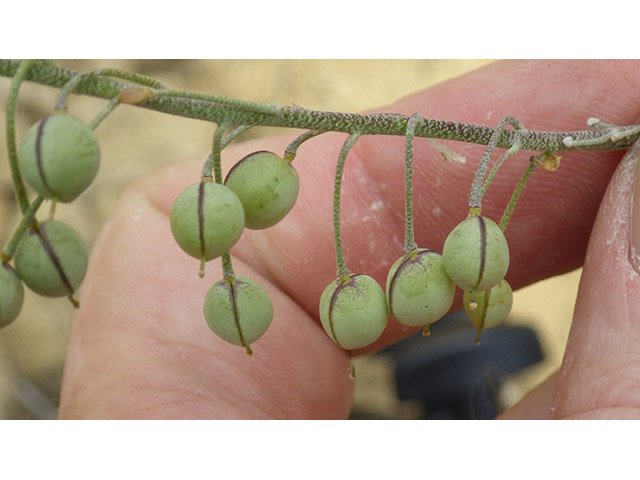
{"type": "Point", "coordinates": [603, 345]}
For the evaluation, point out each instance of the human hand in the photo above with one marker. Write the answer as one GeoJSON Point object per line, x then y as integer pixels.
{"type": "Point", "coordinates": [140, 347]}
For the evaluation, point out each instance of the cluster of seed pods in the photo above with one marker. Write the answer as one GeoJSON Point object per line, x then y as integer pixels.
{"type": "Point", "coordinates": [208, 218]}
{"type": "Point", "coordinates": [420, 287]}
{"type": "Point", "coordinates": [59, 158]}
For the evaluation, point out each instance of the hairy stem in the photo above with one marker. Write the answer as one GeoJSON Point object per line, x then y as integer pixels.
{"type": "Point", "coordinates": [292, 149]}
{"type": "Point", "coordinates": [343, 271]}
{"type": "Point", "coordinates": [20, 74]}
{"type": "Point", "coordinates": [506, 216]}
{"type": "Point", "coordinates": [218, 109]}
{"type": "Point", "coordinates": [106, 110]}
{"type": "Point", "coordinates": [476, 188]}
{"type": "Point", "coordinates": [409, 235]}
{"type": "Point", "coordinates": [28, 218]}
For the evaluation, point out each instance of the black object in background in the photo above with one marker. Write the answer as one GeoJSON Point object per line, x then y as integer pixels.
{"type": "Point", "coordinates": [453, 377]}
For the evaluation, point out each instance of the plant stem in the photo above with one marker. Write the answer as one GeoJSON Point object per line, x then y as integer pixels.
{"type": "Point", "coordinates": [18, 185]}
{"type": "Point", "coordinates": [510, 152]}
{"type": "Point", "coordinates": [216, 151]}
{"type": "Point", "coordinates": [216, 158]}
{"type": "Point", "coordinates": [218, 109]}
{"type": "Point", "coordinates": [27, 219]}
{"type": "Point", "coordinates": [232, 135]}
{"type": "Point", "coordinates": [343, 271]}
{"type": "Point", "coordinates": [409, 235]}
{"type": "Point", "coordinates": [129, 76]}
{"type": "Point", "coordinates": [233, 102]}
{"type": "Point", "coordinates": [476, 187]}
{"type": "Point", "coordinates": [506, 216]}
{"type": "Point", "coordinates": [227, 267]}
{"type": "Point", "coordinates": [106, 110]}
{"type": "Point", "coordinates": [61, 101]}
{"type": "Point", "coordinates": [292, 149]}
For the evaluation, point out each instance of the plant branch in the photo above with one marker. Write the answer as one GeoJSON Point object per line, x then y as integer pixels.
{"type": "Point", "coordinates": [219, 109]}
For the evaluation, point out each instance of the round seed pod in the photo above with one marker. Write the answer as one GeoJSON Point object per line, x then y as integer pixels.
{"type": "Point", "coordinates": [476, 254]}
{"type": "Point", "coordinates": [238, 310]}
{"type": "Point", "coordinates": [267, 186]}
{"type": "Point", "coordinates": [419, 291]}
{"type": "Point", "coordinates": [354, 311]}
{"type": "Point", "coordinates": [52, 260]}
{"type": "Point", "coordinates": [206, 219]}
{"type": "Point", "coordinates": [59, 157]}
{"type": "Point", "coordinates": [11, 295]}
{"type": "Point", "coordinates": [488, 309]}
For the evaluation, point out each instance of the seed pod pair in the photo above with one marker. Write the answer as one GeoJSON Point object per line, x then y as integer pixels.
{"type": "Point", "coordinates": [476, 257]}
{"type": "Point", "coordinates": [59, 157]}
{"type": "Point", "coordinates": [353, 311]}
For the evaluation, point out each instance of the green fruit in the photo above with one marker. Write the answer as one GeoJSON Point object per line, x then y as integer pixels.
{"type": "Point", "coordinates": [419, 291]}
{"type": "Point", "coordinates": [488, 309]}
{"type": "Point", "coordinates": [206, 220]}
{"type": "Point", "coordinates": [52, 260]}
{"type": "Point", "coordinates": [267, 186]}
{"type": "Point", "coordinates": [476, 254]}
{"type": "Point", "coordinates": [238, 310]}
{"type": "Point", "coordinates": [11, 295]}
{"type": "Point", "coordinates": [354, 311]}
{"type": "Point", "coordinates": [59, 157]}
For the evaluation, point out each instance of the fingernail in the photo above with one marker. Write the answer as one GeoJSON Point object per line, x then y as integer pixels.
{"type": "Point", "coordinates": [634, 248]}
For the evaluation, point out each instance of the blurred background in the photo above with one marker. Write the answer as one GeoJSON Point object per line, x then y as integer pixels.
{"type": "Point", "coordinates": [135, 142]}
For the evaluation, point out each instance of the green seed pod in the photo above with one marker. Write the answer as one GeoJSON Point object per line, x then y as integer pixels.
{"type": "Point", "coordinates": [476, 254]}
{"type": "Point", "coordinates": [206, 220]}
{"type": "Point", "coordinates": [419, 291]}
{"type": "Point", "coordinates": [52, 260]}
{"type": "Point", "coordinates": [238, 310]}
{"type": "Point", "coordinates": [354, 311]}
{"type": "Point", "coordinates": [11, 295]}
{"type": "Point", "coordinates": [267, 186]}
{"type": "Point", "coordinates": [59, 157]}
{"type": "Point", "coordinates": [488, 309]}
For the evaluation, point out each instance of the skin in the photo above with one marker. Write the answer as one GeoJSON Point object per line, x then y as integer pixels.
{"type": "Point", "coordinates": [140, 347]}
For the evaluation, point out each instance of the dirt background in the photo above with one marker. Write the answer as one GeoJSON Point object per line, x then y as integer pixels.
{"type": "Point", "coordinates": [135, 142]}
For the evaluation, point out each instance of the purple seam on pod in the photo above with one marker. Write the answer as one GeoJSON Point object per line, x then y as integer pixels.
{"type": "Point", "coordinates": [483, 248]}
{"type": "Point", "coordinates": [232, 293]}
{"type": "Point", "coordinates": [44, 240]}
{"type": "Point", "coordinates": [242, 160]}
{"type": "Point", "coordinates": [332, 303]}
{"type": "Point", "coordinates": [201, 217]}
{"type": "Point", "coordinates": [402, 266]}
